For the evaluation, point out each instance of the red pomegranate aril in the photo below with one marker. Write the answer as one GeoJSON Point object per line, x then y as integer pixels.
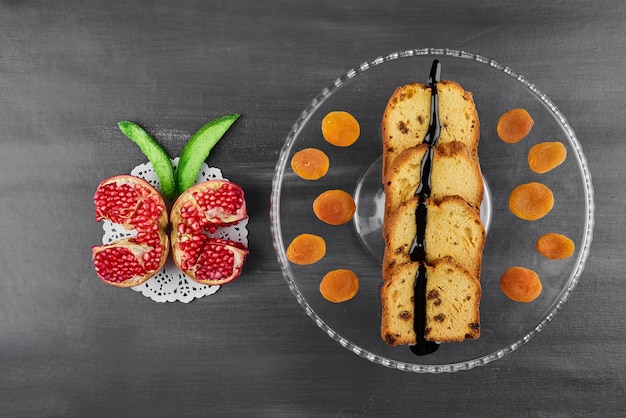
{"type": "Point", "coordinates": [227, 197]}
{"type": "Point", "coordinates": [117, 208]}
{"type": "Point", "coordinates": [192, 248]}
{"type": "Point", "coordinates": [152, 258]}
{"type": "Point", "coordinates": [218, 263]}
{"type": "Point", "coordinates": [134, 204]}
{"type": "Point", "coordinates": [114, 264]}
{"type": "Point", "coordinates": [193, 218]}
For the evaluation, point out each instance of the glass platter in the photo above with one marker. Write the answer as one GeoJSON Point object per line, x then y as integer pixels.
{"type": "Point", "coordinates": [364, 91]}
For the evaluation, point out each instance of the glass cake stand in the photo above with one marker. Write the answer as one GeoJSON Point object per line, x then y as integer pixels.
{"type": "Point", "coordinates": [364, 91]}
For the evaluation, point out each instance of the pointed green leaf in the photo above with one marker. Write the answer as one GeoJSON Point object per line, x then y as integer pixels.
{"type": "Point", "coordinates": [159, 158]}
{"type": "Point", "coordinates": [198, 148]}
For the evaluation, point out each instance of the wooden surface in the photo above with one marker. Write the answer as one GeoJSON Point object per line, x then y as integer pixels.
{"type": "Point", "coordinates": [72, 346]}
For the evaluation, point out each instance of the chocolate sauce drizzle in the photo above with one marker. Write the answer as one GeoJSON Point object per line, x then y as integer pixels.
{"type": "Point", "coordinates": [418, 250]}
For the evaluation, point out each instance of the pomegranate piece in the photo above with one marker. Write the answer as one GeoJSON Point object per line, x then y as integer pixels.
{"type": "Point", "coordinates": [199, 212]}
{"type": "Point", "coordinates": [119, 264]}
{"type": "Point", "coordinates": [136, 205]}
{"type": "Point", "coordinates": [218, 261]}
{"type": "Point", "coordinates": [212, 204]}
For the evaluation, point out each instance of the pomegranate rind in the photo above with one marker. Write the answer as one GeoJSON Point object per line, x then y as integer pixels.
{"type": "Point", "coordinates": [151, 235]}
{"type": "Point", "coordinates": [191, 241]}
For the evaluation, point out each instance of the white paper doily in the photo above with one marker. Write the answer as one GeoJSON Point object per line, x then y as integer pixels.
{"type": "Point", "coordinates": [170, 284]}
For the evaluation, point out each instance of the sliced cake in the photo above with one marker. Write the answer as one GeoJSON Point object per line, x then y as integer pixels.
{"type": "Point", "coordinates": [407, 117]}
{"type": "Point", "coordinates": [434, 237]}
{"type": "Point", "coordinates": [452, 304]}
{"type": "Point", "coordinates": [453, 229]}
{"type": "Point", "coordinates": [455, 172]}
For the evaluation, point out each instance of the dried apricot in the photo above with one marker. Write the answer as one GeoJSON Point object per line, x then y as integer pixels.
{"type": "Point", "coordinates": [520, 284]}
{"type": "Point", "coordinates": [546, 156]}
{"type": "Point", "coordinates": [531, 201]}
{"type": "Point", "coordinates": [340, 128]}
{"type": "Point", "coordinates": [310, 163]}
{"type": "Point", "coordinates": [335, 207]}
{"type": "Point", "coordinates": [339, 285]}
{"type": "Point", "coordinates": [514, 125]}
{"type": "Point", "coordinates": [306, 249]}
{"type": "Point", "coordinates": [555, 246]}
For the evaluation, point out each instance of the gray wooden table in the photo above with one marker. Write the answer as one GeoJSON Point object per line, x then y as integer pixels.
{"type": "Point", "coordinates": [72, 346]}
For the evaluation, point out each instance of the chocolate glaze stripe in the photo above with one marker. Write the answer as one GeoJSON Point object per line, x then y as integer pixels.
{"type": "Point", "coordinates": [418, 250]}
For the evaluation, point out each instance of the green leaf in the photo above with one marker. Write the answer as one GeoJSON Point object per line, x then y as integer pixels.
{"type": "Point", "coordinates": [161, 162]}
{"type": "Point", "coordinates": [198, 148]}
